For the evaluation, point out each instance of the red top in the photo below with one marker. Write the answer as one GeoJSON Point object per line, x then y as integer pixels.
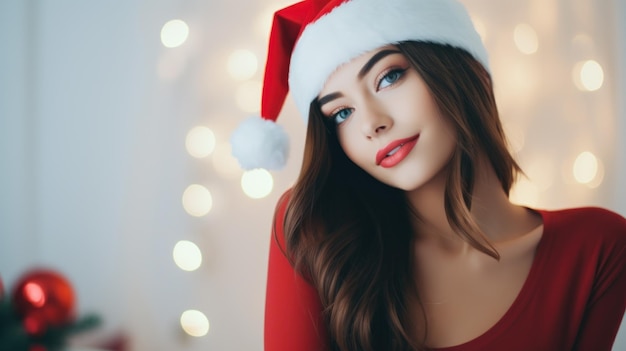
{"type": "Point", "coordinates": [573, 298]}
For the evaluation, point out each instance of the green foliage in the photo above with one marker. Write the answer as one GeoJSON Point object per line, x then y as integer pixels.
{"type": "Point", "coordinates": [13, 336]}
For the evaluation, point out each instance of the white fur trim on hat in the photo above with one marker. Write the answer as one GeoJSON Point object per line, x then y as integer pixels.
{"type": "Point", "coordinates": [358, 26]}
{"type": "Point", "coordinates": [260, 143]}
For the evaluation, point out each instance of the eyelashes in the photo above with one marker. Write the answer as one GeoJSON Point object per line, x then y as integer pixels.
{"type": "Point", "coordinates": [341, 115]}
{"type": "Point", "coordinates": [389, 78]}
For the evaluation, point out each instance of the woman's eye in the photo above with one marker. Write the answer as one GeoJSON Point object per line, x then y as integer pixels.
{"type": "Point", "coordinates": [341, 115]}
{"type": "Point", "coordinates": [390, 78]}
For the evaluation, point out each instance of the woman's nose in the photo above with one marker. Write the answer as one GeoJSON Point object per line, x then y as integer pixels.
{"type": "Point", "coordinates": [375, 121]}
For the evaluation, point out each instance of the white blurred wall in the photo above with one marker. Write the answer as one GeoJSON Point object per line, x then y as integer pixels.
{"type": "Point", "coordinates": [619, 199]}
{"type": "Point", "coordinates": [93, 165]}
{"type": "Point", "coordinates": [71, 90]}
{"type": "Point", "coordinates": [620, 97]}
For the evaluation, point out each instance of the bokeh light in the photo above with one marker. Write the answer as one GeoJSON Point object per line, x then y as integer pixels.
{"type": "Point", "coordinates": [585, 167]}
{"type": "Point", "coordinates": [588, 75]}
{"type": "Point", "coordinates": [34, 294]}
{"type": "Point", "coordinates": [187, 255]}
{"type": "Point", "coordinates": [242, 64]}
{"type": "Point", "coordinates": [200, 142]}
{"type": "Point", "coordinates": [194, 323]}
{"type": "Point", "coordinates": [174, 33]}
{"type": "Point", "coordinates": [599, 178]}
{"type": "Point", "coordinates": [257, 183]}
{"type": "Point", "coordinates": [197, 200]}
{"type": "Point", "coordinates": [248, 96]}
{"type": "Point", "coordinates": [526, 39]}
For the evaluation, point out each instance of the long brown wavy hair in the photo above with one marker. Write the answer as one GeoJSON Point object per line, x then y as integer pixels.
{"type": "Point", "coordinates": [350, 235]}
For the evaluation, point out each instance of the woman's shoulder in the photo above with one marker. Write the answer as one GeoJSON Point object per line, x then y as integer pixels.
{"type": "Point", "coordinates": [281, 206]}
{"type": "Point", "coordinates": [588, 211]}
{"type": "Point", "coordinates": [589, 224]}
{"type": "Point", "coordinates": [597, 217]}
{"type": "Point", "coordinates": [279, 217]}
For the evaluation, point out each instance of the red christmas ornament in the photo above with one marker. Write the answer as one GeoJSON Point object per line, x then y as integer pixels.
{"type": "Point", "coordinates": [44, 298]}
{"type": "Point", "coordinates": [35, 323]}
{"type": "Point", "coordinates": [37, 347]}
{"type": "Point", "coordinates": [1, 290]}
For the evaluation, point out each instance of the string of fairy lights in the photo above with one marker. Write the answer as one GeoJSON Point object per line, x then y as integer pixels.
{"type": "Point", "coordinates": [202, 143]}
{"type": "Point", "coordinates": [584, 168]}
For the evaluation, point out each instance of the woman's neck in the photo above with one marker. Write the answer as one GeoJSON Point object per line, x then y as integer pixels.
{"type": "Point", "coordinates": [495, 215]}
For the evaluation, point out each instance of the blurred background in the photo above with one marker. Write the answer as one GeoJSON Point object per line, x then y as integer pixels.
{"type": "Point", "coordinates": [115, 168]}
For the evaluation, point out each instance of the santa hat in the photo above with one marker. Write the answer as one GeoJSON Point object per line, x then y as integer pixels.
{"type": "Point", "coordinates": [311, 39]}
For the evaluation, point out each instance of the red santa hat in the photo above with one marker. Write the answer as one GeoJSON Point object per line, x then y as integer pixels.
{"type": "Point", "coordinates": [311, 39]}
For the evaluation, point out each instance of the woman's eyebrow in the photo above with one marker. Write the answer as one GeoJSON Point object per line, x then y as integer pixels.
{"type": "Point", "coordinates": [328, 98]}
{"type": "Point", "coordinates": [372, 61]}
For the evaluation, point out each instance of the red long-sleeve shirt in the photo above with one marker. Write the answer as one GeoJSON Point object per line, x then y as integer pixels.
{"type": "Point", "coordinates": [573, 298]}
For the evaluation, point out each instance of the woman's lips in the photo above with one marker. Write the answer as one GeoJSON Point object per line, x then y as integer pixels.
{"type": "Point", "coordinates": [395, 151]}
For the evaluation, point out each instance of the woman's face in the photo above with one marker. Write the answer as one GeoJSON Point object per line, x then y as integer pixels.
{"type": "Point", "coordinates": [387, 121]}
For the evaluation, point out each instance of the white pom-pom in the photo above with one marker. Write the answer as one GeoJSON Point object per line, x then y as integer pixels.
{"type": "Point", "coordinates": [260, 143]}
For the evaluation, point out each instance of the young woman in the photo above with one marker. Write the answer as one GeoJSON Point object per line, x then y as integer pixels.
{"type": "Point", "coordinates": [399, 234]}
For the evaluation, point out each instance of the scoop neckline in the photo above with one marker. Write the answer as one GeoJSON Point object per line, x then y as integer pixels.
{"type": "Point", "coordinates": [520, 302]}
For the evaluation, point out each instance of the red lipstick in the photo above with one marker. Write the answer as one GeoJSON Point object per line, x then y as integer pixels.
{"type": "Point", "coordinates": [395, 151]}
